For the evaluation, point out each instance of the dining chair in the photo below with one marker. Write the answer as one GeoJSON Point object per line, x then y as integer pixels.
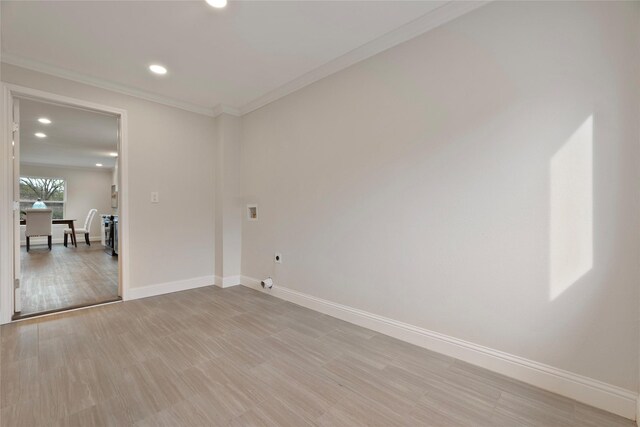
{"type": "Point", "coordinates": [84, 230]}
{"type": "Point", "coordinates": [38, 223]}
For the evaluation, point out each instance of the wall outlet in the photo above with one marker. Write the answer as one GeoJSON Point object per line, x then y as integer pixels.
{"type": "Point", "coordinates": [155, 197]}
{"type": "Point", "coordinates": [277, 258]}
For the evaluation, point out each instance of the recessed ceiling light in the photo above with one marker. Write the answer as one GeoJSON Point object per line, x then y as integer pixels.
{"type": "Point", "coordinates": [157, 69]}
{"type": "Point", "coordinates": [113, 154]}
{"type": "Point", "coordinates": [44, 121]}
{"type": "Point", "coordinates": [40, 135]}
{"type": "Point", "coordinates": [99, 165]}
{"type": "Point", "coordinates": [218, 4]}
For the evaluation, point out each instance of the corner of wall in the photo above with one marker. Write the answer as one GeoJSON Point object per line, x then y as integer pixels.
{"type": "Point", "coordinates": [227, 282]}
{"type": "Point", "coordinates": [228, 220]}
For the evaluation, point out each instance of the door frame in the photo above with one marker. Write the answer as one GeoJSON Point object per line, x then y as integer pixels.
{"type": "Point", "coordinates": [7, 275]}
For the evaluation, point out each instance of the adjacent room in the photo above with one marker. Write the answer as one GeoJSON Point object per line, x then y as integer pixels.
{"type": "Point", "coordinates": [68, 207]}
{"type": "Point", "coordinates": [320, 213]}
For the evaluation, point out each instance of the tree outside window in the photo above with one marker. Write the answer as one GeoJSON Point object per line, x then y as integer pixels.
{"type": "Point", "coordinates": [50, 190]}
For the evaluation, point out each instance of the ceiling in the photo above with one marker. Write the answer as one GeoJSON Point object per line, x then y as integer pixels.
{"type": "Point", "coordinates": [229, 57]}
{"type": "Point", "coordinates": [75, 137]}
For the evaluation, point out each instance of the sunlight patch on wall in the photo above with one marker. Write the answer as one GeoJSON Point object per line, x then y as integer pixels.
{"type": "Point", "coordinates": [571, 204]}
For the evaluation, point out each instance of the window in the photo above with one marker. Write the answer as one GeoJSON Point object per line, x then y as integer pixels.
{"type": "Point", "coordinates": [50, 190]}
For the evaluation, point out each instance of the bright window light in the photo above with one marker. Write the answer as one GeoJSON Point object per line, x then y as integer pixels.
{"type": "Point", "coordinates": [99, 165]}
{"type": "Point", "coordinates": [571, 215]}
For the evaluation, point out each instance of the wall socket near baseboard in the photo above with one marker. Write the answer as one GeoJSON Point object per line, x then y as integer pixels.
{"type": "Point", "coordinates": [277, 258]}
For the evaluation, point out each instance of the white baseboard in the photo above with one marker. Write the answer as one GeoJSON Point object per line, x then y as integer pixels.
{"type": "Point", "coordinates": [168, 287]}
{"type": "Point", "coordinates": [226, 282]}
{"type": "Point", "coordinates": [593, 392]}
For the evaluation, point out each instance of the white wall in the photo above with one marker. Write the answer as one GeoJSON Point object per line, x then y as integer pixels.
{"type": "Point", "coordinates": [427, 185]}
{"type": "Point", "coordinates": [86, 189]}
{"type": "Point", "coordinates": [170, 151]}
{"type": "Point", "coordinates": [228, 219]}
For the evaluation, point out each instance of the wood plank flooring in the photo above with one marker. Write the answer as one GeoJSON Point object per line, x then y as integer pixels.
{"type": "Point", "coordinates": [66, 277]}
{"type": "Point", "coordinates": [237, 357]}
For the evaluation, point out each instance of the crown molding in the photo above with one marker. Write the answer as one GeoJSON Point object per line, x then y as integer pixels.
{"type": "Point", "coordinates": [433, 19]}
{"type": "Point", "coordinates": [225, 109]}
{"type": "Point", "coordinates": [62, 73]}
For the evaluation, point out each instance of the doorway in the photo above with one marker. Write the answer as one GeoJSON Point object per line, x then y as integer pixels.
{"type": "Point", "coordinates": [66, 166]}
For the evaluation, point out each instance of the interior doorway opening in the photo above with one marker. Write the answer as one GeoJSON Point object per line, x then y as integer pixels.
{"type": "Point", "coordinates": [67, 204]}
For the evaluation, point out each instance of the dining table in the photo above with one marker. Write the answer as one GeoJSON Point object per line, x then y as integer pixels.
{"type": "Point", "coordinates": [68, 222]}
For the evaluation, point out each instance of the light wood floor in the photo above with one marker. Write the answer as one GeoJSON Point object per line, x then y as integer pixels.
{"type": "Point", "coordinates": [66, 277]}
{"type": "Point", "coordinates": [237, 357]}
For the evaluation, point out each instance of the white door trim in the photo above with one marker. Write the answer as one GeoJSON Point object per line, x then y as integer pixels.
{"type": "Point", "coordinates": [6, 191]}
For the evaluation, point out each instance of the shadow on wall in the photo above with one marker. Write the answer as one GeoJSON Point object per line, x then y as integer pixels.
{"type": "Point", "coordinates": [571, 210]}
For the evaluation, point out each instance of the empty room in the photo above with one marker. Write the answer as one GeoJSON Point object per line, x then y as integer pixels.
{"type": "Point", "coordinates": [320, 213]}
